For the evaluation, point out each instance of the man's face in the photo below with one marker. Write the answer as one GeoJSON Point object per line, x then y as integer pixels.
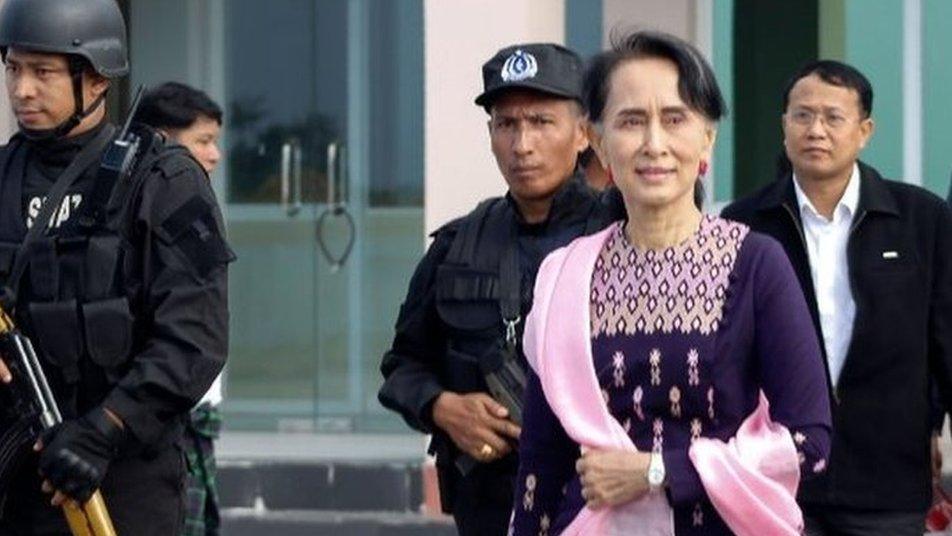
{"type": "Point", "coordinates": [824, 129]}
{"type": "Point", "coordinates": [201, 139]}
{"type": "Point", "coordinates": [536, 140]}
{"type": "Point", "coordinates": [41, 90]}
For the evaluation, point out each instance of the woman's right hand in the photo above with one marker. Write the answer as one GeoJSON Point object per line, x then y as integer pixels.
{"type": "Point", "coordinates": [474, 421]}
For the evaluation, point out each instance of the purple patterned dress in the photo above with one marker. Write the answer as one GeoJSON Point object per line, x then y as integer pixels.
{"type": "Point", "coordinates": [683, 341]}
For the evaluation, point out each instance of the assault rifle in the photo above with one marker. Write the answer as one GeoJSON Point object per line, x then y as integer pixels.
{"type": "Point", "coordinates": [33, 402]}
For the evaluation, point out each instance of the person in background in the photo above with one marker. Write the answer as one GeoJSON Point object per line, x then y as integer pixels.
{"type": "Point", "coordinates": [873, 258]}
{"type": "Point", "coordinates": [189, 117]}
{"type": "Point", "coordinates": [596, 176]}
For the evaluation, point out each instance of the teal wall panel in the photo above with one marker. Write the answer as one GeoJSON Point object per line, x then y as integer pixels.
{"type": "Point", "coordinates": [583, 26]}
{"type": "Point", "coordinates": [936, 102]}
{"type": "Point", "coordinates": [724, 68]}
{"type": "Point", "coordinates": [874, 45]}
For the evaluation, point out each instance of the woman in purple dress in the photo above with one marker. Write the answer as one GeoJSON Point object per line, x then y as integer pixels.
{"type": "Point", "coordinates": [687, 319]}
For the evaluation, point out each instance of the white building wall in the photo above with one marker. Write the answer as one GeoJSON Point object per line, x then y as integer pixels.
{"type": "Point", "coordinates": [460, 35]}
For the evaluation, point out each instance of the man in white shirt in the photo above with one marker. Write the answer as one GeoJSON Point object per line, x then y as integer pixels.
{"type": "Point", "coordinates": [826, 239]}
{"type": "Point", "coordinates": [874, 260]}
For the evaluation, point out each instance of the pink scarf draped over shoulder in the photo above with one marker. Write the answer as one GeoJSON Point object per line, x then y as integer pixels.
{"type": "Point", "coordinates": [751, 480]}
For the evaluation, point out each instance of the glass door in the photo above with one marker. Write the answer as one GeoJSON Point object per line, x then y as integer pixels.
{"type": "Point", "coordinates": [286, 79]}
{"type": "Point", "coordinates": [321, 186]}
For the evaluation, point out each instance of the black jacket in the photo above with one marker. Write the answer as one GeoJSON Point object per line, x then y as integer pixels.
{"type": "Point", "coordinates": [446, 323]}
{"type": "Point", "coordinates": [902, 336]}
{"type": "Point", "coordinates": [143, 328]}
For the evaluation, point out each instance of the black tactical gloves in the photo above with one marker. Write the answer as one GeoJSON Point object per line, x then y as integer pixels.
{"type": "Point", "coordinates": [76, 454]}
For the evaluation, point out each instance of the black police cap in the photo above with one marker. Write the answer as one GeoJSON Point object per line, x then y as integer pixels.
{"type": "Point", "coordinates": [543, 67]}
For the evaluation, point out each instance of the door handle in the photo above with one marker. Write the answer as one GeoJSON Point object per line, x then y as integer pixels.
{"type": "Point", "coordinates": [343, 176]}
{"type": "Point", "coordinates": [291, 177]}
{"type": "Point", "coordinates": [286, 176]}
{"type": "Point", "coordinates": [297, 176]}
{"type": "Point", "coordinates": [331, 173]}
{"type": "Point", "coordinates": [336, 208]}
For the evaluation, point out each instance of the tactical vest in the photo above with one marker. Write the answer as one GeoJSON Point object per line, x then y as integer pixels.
{"type": "Point", "coordinates": [470, 289]}
{"type": "Point", "coordinates": [470, 294]}
{"type": "Point", "coordinates": [72, 298]}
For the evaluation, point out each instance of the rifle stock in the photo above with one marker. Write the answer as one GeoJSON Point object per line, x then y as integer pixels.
{"type": "Point", "coordinates": [92, 517]}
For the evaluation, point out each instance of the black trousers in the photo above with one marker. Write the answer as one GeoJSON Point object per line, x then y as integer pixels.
{"type": "Point", "coordinates": [483, 502]}
{"type": "Point", "coordinates": [839, 521]}
{"type": "Point", "coordinates": [145, 496]}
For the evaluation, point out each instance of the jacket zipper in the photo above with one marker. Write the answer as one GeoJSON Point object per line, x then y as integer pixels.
{"type": "Point", "coordinates": [803, 242]}
{"type": "Point", "coordinates": [858, 220]}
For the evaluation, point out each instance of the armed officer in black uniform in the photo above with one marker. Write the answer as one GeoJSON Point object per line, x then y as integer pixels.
{"type": "Point", "coordinates": [118, 277]}
{"type": "Point", "coordinates": [467, 299]}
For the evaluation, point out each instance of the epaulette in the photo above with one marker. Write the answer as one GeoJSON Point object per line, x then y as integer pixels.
{"type": "Point", "coordinates": [451, 227]}
{"type": "Point", "coordinates": [490, 218]}
{"type": "Point", "coordinates": [169, 166]}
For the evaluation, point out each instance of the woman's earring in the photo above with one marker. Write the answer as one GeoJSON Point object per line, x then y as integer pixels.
{"type": "Point", "coordinates": [702, 168]}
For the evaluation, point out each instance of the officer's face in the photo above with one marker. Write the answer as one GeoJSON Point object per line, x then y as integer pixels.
{"type": "Point", "coordinates": [650, 139]}
{"type": "Point", "coordinates": [201, 139]}
{"type": "Point", "coordinates": [824, 129]}
{"type": "Point", "coordinates": [41, 90]}
{"type": "Point", "coordinates": [536, 140]}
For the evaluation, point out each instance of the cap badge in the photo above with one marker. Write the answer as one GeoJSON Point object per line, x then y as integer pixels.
{"type": "Point", "coordinates": [519, 66]}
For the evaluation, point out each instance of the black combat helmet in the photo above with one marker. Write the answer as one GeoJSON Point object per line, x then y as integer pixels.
{"type": "Point", "coordinates": [88, 32]}
{"type": "Point", "coordinates": [92, 29]}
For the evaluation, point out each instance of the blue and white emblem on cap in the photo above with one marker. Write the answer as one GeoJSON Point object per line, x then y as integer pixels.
{"type": "Point", "coordinates": [519, 66]}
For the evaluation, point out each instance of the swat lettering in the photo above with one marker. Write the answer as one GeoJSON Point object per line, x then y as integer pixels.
{"type": "Point", "coordinates": [67, 209]}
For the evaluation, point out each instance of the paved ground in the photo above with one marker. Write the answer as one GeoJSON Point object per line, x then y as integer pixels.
{"type": "Point", "coordinates": [255, 446]}
{"type": "Point", "coordinates": [361, 447]}
{"type": "Point", "coordinates": [322, 447]}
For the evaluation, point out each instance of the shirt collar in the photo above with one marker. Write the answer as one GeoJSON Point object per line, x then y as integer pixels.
{"type": "Point", "coordinates": [848, 202]}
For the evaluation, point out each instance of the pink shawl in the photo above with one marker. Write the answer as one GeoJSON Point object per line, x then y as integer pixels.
{"type": "Point", "coordinates": [751, 480]}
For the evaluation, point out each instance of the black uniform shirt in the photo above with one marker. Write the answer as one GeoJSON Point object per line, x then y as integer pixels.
{"type": "Point", "coordinates": [44, 164]}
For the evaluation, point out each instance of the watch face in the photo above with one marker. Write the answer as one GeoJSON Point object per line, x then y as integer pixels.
{"type": "Point", "coordinates": [656, 471]}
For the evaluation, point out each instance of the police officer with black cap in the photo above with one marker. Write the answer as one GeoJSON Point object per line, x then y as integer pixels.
{"type": "Point", "coordinates": [463, 313]}
{"type": "Point", "coordinates": [118, 275]}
